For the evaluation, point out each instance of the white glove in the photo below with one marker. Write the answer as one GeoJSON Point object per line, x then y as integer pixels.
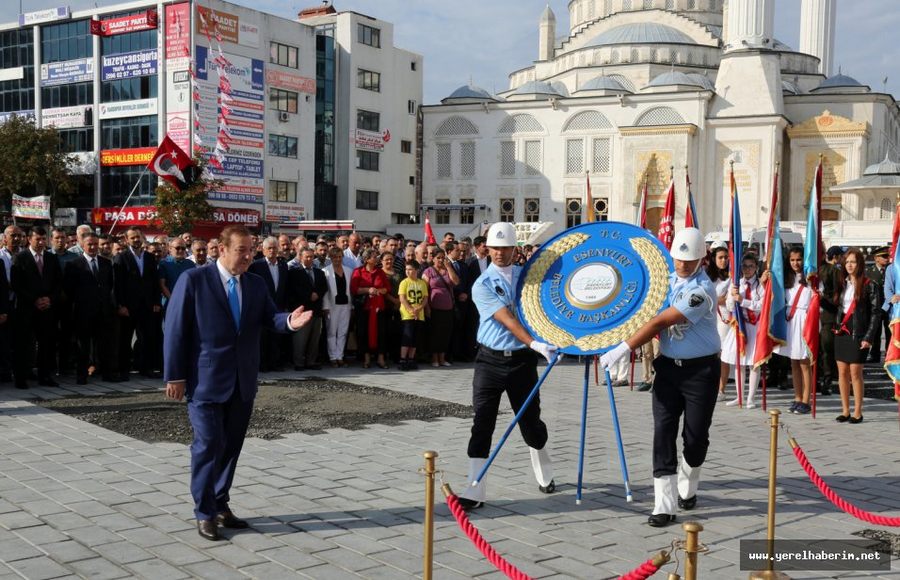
{"type": "Point", "coordinates": [611, 357]}
{"type": "Point", "coordinates": [546, 350]}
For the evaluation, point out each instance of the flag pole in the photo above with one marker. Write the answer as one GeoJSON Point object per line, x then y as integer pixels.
{"type": "Point", "coordinates": [127, 199]}
{"type": "Point", "coordinates": [738, 371]}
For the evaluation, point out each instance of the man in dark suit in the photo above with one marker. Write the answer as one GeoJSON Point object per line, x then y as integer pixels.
{"type": "Point", "coordinates": [138, 297]}
{"type": "Point", "coordinates": [37, 282]}
{"type": "Point", "coordinates": [477, 263]}
{"type": "Point", "coordinates": [212, 333]}
{"type": "Point", "coordinates": [273, 269]}
{"type": "Point", "coordinates": [462, 343]}
{"type": "Point", "coordinates": [306, 287]}
{"type": "Point", "coordinates": [876, 273]}
{"type": "Point", "coordinates": [88, 283]}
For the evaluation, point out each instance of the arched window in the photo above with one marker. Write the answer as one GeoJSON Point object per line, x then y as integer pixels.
{"type": "Point", "coordinates": [456, 125]}
{"type": "Point", "coordinates": [886, 209]}
{"type": "Point", "coordinates": [659, 116]}
{"type": "Point", "coordinates": [521, 123]}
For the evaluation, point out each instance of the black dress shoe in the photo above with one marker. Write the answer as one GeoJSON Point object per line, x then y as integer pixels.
{"type": "Point", "coordinates": [47, 382]}
{"type": "Point", "coordinates": [842, 418]}
{"type": "Point", "coordinates": [688, 504]}
{"type": "Point", "coordinates": [470, 504]}
{"type": "Point", "coordinates": [208, 530]}
{"type": "Point", "coordinates": [661, 520]}
{"type": "Point", "coordinates": [229, 520]}
{"type": "Point", "coordinates": [549, 488]}
{"type": "Point", "coordinates": [855, 420]}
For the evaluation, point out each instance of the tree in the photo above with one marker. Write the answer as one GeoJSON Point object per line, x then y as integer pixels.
{"type": "Point", "coordinates": [33, 162]}
{"type": "Point", "coordinates": [178, 211]}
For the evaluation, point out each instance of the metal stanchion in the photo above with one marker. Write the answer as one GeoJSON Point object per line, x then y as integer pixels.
{"type": "Point", "coordinates": [770, 573]}
{"type": "Point", "coordinates": [428, 556]}
{"type": "Point", "coordinates": [691, 548]}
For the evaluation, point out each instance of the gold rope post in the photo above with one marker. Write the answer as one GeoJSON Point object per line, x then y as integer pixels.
{"type": "Point", "coordinates": [691, 548]}
{"type": "Point", "coordinates": [428, 558]}
{"type": "Point", "coordinates": [769, 573]}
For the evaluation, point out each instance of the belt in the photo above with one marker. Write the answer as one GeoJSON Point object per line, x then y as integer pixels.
{"type": "Point", "coordinates": [691, 362]}
{"type": "Point", "coordinates": [503, 353]}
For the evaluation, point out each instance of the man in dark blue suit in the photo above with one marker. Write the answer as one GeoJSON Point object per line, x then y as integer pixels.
{"type": "Point", "coordinates": [274, 271]}
{"type": "Point", "coordinates": [212, 331]}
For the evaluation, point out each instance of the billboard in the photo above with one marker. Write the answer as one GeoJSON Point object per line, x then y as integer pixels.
{"type": "Point", "coordinates": [65, 117]}
{"type": "Point", "coordinates": [136, 156]}
{"type": "Point", "coordinates": [135, 23]}
{"type": "Point", "coordinates": [146, 215]}
{"type": "Point", "coordinates": [178, 36]}
{"type": "Point", "coordinates": [229, 26]}
{"type": "Point", "coordinates": [285, 80]}
{"type": "Point", "coordinates": [31, 208]}
{"type": "Point", "coordinates": [126, 65]}
{"type": "Point", "coordinates": [128, 109]}
{"type": "Point", "coordinates": [47, 15]}
{"type": "Point", "coordinates": [68, 71]}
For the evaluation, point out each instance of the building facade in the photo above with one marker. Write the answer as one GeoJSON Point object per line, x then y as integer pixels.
{"type": "Point", "coordinates": [641, 92]}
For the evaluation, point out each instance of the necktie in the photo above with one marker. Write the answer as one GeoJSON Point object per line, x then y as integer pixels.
{"type": "Point", "coordinates": [234, 302]}
{"type": "Point", "coordinates": [39, 260]}
{"type": "Point", "coordinates": [94, 268]}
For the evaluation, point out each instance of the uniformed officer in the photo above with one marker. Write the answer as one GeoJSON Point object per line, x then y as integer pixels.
{"type": "Point", "coordinates": [876, 273]}
{"type": "Point", "coordinates": [506, 362]}
{"type": "Point", "coordinates": [687, 377]}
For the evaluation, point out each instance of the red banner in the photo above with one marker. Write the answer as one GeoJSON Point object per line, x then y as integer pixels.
{"type": "Point", "coordinates": [139, 156]}
{"type": "Point", "coordinates": [178, 34]}
{"type": "Point", "coordinates": [146, 215]}
{"type": "Point", "coordinates": [125, 24]}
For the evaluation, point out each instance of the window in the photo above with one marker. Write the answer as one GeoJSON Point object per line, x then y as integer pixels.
{"type": "Point", "coordinates": [602, 161]}
{"type": "Point", "coordinates": [573, 212]}
{"type": "Point", "coordinates": [129, 132]}
{"type": "Point", "coordinates": [17, 50]}
{"type": "Point", "coordinates": [68, 41]}
{"type": "Point", "coordinates": [507, 210]}
{"type": "Point", "coordinates": [574, 156]}
{"type": "Point", "coordinates": [532, 157]}
{"type": "Point", "coordinates": [508, 158]}
{"type": "Point", "coordinates": [444, 169]}
{"type": "Point", "coordinates": [412, 179]}
{"type": "Point", "coordinates": [117, 182]}
{"type": "Point", "coordinates": [467, 159]}
{"type": "Point", "coordinates": [626, 4]}
{"type": "Point", "coordinates": [532, 209]}
{"type": "Point", "coordinates": [601, 209]}
{"type": "Point", "coordinates": [283, 146]}
{"type": "Point", "coordinates": [67, 95]}
{"type": "Point", "coordinates": [367, 160]}
{"type": "Point", "coordinates": [130, 42]}
{"type": "Point", "coordinates": [283, 191]}
{"type": "Point", "coordinates": [670, 4]}
{"type": "Point", "coordinates": [467, 214]}
{"type": "Point", "coordinates": [648, 4]}
{"type": "Point", "coordinates": [368, 35]}
{"type": "Point", "coordinates": [886, 209]}
{"type": "Point", "coordinates": [367, 120]}
{"type": "Point", "coordinates": [73, 140]}
{"type": "Point", "coordinates": [441, 215]}
{"type": "Point", "coordinates": [368, 80]}
{"type": "Point", "coordinates": [283, 54]}
{"type": "Point", "coordinates": [412, 65]}
{"type": "Point", "coordinates": [411, 107]}
{"type": "Point", "coordinates": [366, 199]}
{"type": "Point", "coordinates": [128, 89]}
{"type": "Point", "coordinates": [281, 100]}
{"type": "Point", "coordinates": [405, 146]}
{"type": "Point", "coordinates": [692, 4]}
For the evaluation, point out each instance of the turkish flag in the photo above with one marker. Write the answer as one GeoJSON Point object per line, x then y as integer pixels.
{"type": "Point", "coordinates": [172, 164]}
{"type": "Point", "coordinates": [429, 233]}
{"type": "Point", "coordinates": [666, 225]}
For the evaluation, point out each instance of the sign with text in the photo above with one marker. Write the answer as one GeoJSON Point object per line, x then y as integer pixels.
{"type": "Point", "coordinates": [65, 117]}
{"type": "Point", "coordinates": [229, 27]}
{"type": "Point", "coordinates": [137, 156]}
{"type": "Point", "coordinates": [128, 109]}
{"type": "Point", "coordinates": [31, 208]}
{"type": "Point", "coordinates": [178, 36]}
{"type": "Point", "coordinates": [134, 23]}
{"type": "Point", "coordinates": [369, 140]}
{"type": "Point", "coordinates": [41, 16]}
{"type": "Point", "coordinates": [284, 212]}
{"type": "Point", "coordinates": [139, 63]}
{"type": "Point", "coordinates": [68, 71]}
{"type": "Point", "coordinates": [146, 215]}
{"type": "Point", "coordinates": [284, 80]}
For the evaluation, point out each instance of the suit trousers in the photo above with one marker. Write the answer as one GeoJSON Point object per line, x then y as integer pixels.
{"type": "Point", "coordinates": [147, 346]}
{"type": "Point", "coordinates": [92, 341]}
{"type": "Point", "coordinates": [690, 390]}
{"type": "Point", "coordinates": [6, 345]}
{"type": "Point", "coordinates": [336, 327]}
{"type": "Point", "coordinates": [516, 375]}
{"type": "Point", "coordinates": [306, 342]}
{"type": "Point", "coordinates": [35, 327]}
{"type": "Point", "coordinates": [219, 431]}
{"type": "Point", "coordinates": [827, 364]}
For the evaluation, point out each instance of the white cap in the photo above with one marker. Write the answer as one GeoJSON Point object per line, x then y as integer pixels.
{"type": "Point", "coordinates": [688, 245]}
{"type": "Point", "coordinates": [501, 235]}
{"type": "Point", "coordinates": [718, 244]}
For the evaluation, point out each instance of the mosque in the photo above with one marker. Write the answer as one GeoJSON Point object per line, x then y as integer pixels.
{"type": "Point", "coordinates": [646, 91]}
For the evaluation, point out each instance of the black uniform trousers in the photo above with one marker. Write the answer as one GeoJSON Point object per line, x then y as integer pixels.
{"type": "Point", "coordinates": [882, 328]}
{"type": "Point", "coordinates": [689, 389]}
{"type": "Point", "coordinates": [516, 375]}
{"type": "Point", "coordinates": [827, 364]}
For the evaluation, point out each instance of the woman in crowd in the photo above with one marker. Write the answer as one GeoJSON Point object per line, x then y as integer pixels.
{"type": "Point", "coordinates": [441, 280]}
{"type": "Point", "coordinates": [748, 296]}
{"type": "Point", "coordinates": [797, 298]}
{"type": "Point", "coordinates": [368, 285]}
{"type": "Point", "coordinates": [392, 312]}
{"type": "Point", "coordinates": [857, 299]}
{"type": "Point", "coordinates": [337, 302]}
{"type": "Point", "coordinates": [717, 270]}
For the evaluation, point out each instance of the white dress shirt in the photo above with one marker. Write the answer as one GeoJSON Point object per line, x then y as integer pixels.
{"type": "Point", "coordinates": [139, 259]}
{"type": "Point", "coordinates": [273, 270]}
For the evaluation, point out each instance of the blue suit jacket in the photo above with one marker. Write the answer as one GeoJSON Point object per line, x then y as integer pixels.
{"type": "Point", "coordinates": [202, 345]}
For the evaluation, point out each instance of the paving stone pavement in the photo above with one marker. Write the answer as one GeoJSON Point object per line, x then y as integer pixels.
{"type": "Point", "coordinates": [77, 500]}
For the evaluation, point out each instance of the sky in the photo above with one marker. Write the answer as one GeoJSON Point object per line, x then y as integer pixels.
{"type": "Point", "coordinates": [482, 41]}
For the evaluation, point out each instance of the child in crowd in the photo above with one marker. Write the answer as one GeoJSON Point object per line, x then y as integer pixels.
{"type": "Point", "coordinates": [748, 296]}
{"type": "Point", "coordinates": [413, 294]}
{"type": "Point", "coordinates": [797, 297]}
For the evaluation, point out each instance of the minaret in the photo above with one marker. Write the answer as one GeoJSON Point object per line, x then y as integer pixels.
{"type": "Point", "coordinates": [547, 35]}
{"type": "Point", "coordinates": [749, 24]}
{"type": "Point", "coordinates": [817, 31]}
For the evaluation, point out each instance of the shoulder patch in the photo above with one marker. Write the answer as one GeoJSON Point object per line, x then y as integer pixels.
{"type": "Point", "coordinates": [696, 300]}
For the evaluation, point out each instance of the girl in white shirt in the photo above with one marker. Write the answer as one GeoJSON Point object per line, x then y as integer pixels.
{"type": "Point", "coordinates": [719, 275]}
{"type": "Point", "coordinates": [748, 295]}
{"type": "Point", "coordinates": [797, 297]}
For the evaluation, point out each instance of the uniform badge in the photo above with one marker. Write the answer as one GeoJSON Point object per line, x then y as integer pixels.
{"type": "Point", "coordinates": [696, 300]}
{"type": "Point", "coordinates": [499, 291]}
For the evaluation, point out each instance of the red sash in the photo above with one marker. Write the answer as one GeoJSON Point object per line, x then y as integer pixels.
{"type": "Point", "coordinates": [843, 328]}
{"type": "Point", "coordinates": [794, 303]}
{"type": "Point", "coordinates": [749, 314]}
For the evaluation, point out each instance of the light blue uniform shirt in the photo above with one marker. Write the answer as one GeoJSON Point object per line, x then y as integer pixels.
{"type": "Point", "coordinates": [490, 293]}
{"type": "Point", "coordinates": [696, 299]}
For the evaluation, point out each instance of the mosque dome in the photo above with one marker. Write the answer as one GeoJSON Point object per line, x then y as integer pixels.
{"type": "Point", "coordinates": [677, 78]}
{"type": "Point", "coordinates": [469, 93]}
{"type": "Point", "coordinates": [703, 81]}
{"type": "Point", "coordinates": [537, 88]}
{"type": "Point", "coordinates": [842, 82]}
{"type": "Point", "coordinates": [603, 83]}
{"type": "Point", "coordinates": [640, 33]}
{"type": "Point", "coordinates": [886, 167]}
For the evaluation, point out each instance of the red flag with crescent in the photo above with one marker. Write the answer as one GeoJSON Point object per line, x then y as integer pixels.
{"type": "Point", "coordinates": [172, 164]}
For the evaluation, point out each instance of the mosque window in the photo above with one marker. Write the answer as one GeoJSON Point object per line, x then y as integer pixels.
{"type": "Point", "coordinates": [467, 159]}
{"type": "Point", "coordinates": [626, 4]}
{"type": "Point", "coordinates": [614, 57]}
{"type": "Point", "coordinates": [602, 158]}
{"type": "Point", "coordinates": [633, 57]}
{"type": "Point", "coordinates": [654, 56]}
{"type": "Point", "coordinates": [456, 126]}
{"type": "Point", "coordinates": [601, 209]}
{"type": "Point", "coordinates": [507, 210]}
{"type": "Point", "coordinates": [886, 209]}
{"type": "Point", "coordinates": [508, 158]}
{"type": "Point", "coordinates": [869, 211]}
{"type": "Point", "coordinates": [532, 158]}
{"type": "Point", "coordinates": [521, 123]}
{"type": "Point", "coordinates": [670, 4]}
{"type": "Point", "coordinates": [467, 214]}
{"type": "Point", "coordinates": [573, 211]}
{"type": "Point", "coordinates": [588, 121]}
{"type": "Point", "coordinates": [692, 5]}
{"type": "Point", "coordinates": [607, 7]}
{"type": "Point", "coordinates": [532, 209]}
{"type": "Point", "coordinates": [659, 116]}
{"type": "Point", "coordinates": [648, 4]}
{"type": "Point", "coordinates": [444, 170]}
{"type": "Point", "coordinates": [574, 156]}
{"type": "Point", "coordinates": [441, 215]}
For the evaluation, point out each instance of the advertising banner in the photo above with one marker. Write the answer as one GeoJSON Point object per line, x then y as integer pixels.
{"type": "Point", "coordinates": [12, 74]}
{"type": "Point", "coordinates": [4, 117]}
{"type": "Point", "coordinates": [137, 156]}
{"type": "Point", "coordinates": [128, 109]}
{"type": "Point", "coordinates": [284, 212]}
{"type": "Point", "coordinates": [369, 140]}
{"type": "Point", "coordinates": [291, 82]}
{"type": "Point", "coordinates": [134, 23]}
{"type": "Point", "coordinates": [145, 215]}
{"type": "Point", "coordinates": [31, 208]}
{"type": "Point", "coordinates": [67, 71]}
{"type": "Point", "coordinates": [242, 169]}
{"type": "Point", "coordinates": [229, 26]}
{"type": "Point", "coordinates": [178, 36]}
{"type": "Point", "coordinates": [139, 63]}
{"type": "Point", "coordinates": [65, 117]}
{"type": "Point", "coordinates": [47, 15]}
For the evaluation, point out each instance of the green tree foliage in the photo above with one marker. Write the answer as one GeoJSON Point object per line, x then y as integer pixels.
{"type": "Point", "coordinates": [178, 211]}
{"type": "Point", "coordinates": [32, 162]}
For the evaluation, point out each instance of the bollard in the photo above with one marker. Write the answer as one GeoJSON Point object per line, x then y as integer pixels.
{"type": "Point", "coordinates": [691, 548]}
{"type": "Point", "coordinates": [770, 573]}
{"type": "Point", "coordinates": [428, 558]}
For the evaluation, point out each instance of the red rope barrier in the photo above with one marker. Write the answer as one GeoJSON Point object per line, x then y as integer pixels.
{"type": "Point", "coordinates": [835, 498]}
{"type": "Point", "coordinates": [483, 546]}
{"type": "Point", "coordinates": [642, 572]}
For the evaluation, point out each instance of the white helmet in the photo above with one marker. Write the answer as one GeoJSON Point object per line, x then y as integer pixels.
{"type": "Point", "coordinates": [688, 245]}
{"type": "Point", "coordinates": [501, 235]}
